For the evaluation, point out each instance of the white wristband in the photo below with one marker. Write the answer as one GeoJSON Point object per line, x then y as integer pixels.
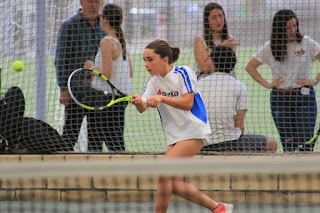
{"type": "Point", "coordinates": [315, 82]}
{"type": "Point", "coordinates": [144, 100]}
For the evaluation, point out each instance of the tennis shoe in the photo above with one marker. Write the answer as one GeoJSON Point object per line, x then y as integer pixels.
{"type": "Point", "coordinates": [223, 208]}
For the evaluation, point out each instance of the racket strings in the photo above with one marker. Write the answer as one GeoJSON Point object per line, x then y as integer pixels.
{"type": "Point", "coordinates": [90, 90]}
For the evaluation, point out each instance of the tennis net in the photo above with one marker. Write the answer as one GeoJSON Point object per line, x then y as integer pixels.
{"type": "Point", "coordinates": [252, 183]}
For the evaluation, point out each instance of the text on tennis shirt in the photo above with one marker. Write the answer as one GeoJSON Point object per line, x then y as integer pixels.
{"type": "Point", "coordinates": [169, 94]}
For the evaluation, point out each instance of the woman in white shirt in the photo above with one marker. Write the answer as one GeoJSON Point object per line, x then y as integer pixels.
{"type": "Point", "coordinates": [293, 103]}
{"type": "Point", "coordinates": [112, 60]}
{"type": "Point", "coordinates": [215, 33]}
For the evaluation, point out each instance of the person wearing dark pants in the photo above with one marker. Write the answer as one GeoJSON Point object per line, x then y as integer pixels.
{"type": "Point", "coordinates": [295, 117]}
{"type": "Point", "coordinates": [115, 126]}
{"type": "Point", "coordinates": [78, 41]}
{"type": "Point", "coordinates": [289, 54]}
{"type": "Point", "coordinates": [113, 61]}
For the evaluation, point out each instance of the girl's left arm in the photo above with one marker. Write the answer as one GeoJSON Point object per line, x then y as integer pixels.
{"type": "Point", "coordinates": [183, 103]}
{"type": "Point", "coordinates": [306, 81]}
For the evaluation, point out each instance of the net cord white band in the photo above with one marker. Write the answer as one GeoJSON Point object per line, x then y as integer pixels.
{"type": "Point", "coordinates": [156, 167]}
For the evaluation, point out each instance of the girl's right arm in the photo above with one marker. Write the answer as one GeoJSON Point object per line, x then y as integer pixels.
{"type": "Point", "coordinates": [202, 56]}
{"type": "Point", "coordinates": [139, 103]}
{"type": "Point", "coordinates": [252, 69]}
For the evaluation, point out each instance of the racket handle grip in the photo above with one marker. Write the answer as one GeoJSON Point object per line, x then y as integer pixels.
{"type": "Point", "coordinates": [144, 100]}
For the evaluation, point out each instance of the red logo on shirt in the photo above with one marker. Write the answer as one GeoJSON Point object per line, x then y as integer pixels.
{"type": "Point", "coordinates": [159, 92]}
{"type": "Point", "coordinates": [300, 52]}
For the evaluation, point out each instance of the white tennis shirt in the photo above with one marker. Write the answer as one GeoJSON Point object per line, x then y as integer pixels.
{"type": "Point", "coordinates": [179, 124]}
{"type": "Point", "coordinates": [223, 95]}
{"type": "Point", "coordinates": [298, 63]}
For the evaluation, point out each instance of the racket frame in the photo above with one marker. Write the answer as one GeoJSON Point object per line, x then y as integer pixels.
{"type": "Point", "coordinates": [113, 88]}
{"type": "Point", "coordinates": [313, 139]}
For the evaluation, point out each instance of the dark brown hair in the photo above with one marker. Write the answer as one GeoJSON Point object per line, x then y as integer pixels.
{"type": "Point", "coordinates": [278, 38]}
{"type": "Point", "coordinates": [206, 28]}
{"type": "Point", "coordinates": [163, 49]}
{"type": "Point", "coordinates": [113, 13]}
{"type": "Point", "coordinates": [224, 59]}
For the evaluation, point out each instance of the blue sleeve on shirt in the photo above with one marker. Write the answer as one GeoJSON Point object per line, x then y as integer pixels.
{"type": "Point", "coordinates": [185, 76]}
{"type": "Point", "coordinates": [198, 109]}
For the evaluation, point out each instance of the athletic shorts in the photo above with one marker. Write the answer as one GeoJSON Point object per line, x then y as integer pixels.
{"type": "Point", "coordinates": [246, 143]}
{"type": "Point", "coordinates": [205, 141]}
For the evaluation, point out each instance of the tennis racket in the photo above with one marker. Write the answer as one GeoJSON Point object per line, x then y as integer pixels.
{"type": "Point", "coordinates": [312, 140]}
{"type": "Point", "coordinates": [84, 95]}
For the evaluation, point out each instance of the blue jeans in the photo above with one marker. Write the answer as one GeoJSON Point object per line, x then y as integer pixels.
{"type": "Point", "coordinates": [295, 118]}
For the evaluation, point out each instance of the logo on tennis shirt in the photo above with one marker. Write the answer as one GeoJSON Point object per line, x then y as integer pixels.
{"type": "Point", "coordinates": [299, 52]}
{"type": "Point", "coordinates": [169, 94]}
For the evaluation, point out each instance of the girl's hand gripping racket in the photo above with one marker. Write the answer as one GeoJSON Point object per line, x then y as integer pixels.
{"type": "Point", "coordinates": [85, 96]}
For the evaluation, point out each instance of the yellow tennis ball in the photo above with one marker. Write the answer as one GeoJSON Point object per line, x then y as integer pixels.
{"type": "Point", "coordinates": [17, 66]}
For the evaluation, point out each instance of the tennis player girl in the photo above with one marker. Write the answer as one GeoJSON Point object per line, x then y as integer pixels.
{"type": "Point", "coordinates": [173, 90]}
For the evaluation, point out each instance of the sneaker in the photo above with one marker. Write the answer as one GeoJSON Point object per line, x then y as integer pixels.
{"type": "Point", "coordinates": [223, 208]}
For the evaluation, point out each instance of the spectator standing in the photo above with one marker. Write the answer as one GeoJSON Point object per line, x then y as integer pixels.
{"type": "Point", "coordinates": [293, 102]}
{"type": "Point", "coordinates": [113, 61]}
{"type": "Point", "coordinates": [78, 41]}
